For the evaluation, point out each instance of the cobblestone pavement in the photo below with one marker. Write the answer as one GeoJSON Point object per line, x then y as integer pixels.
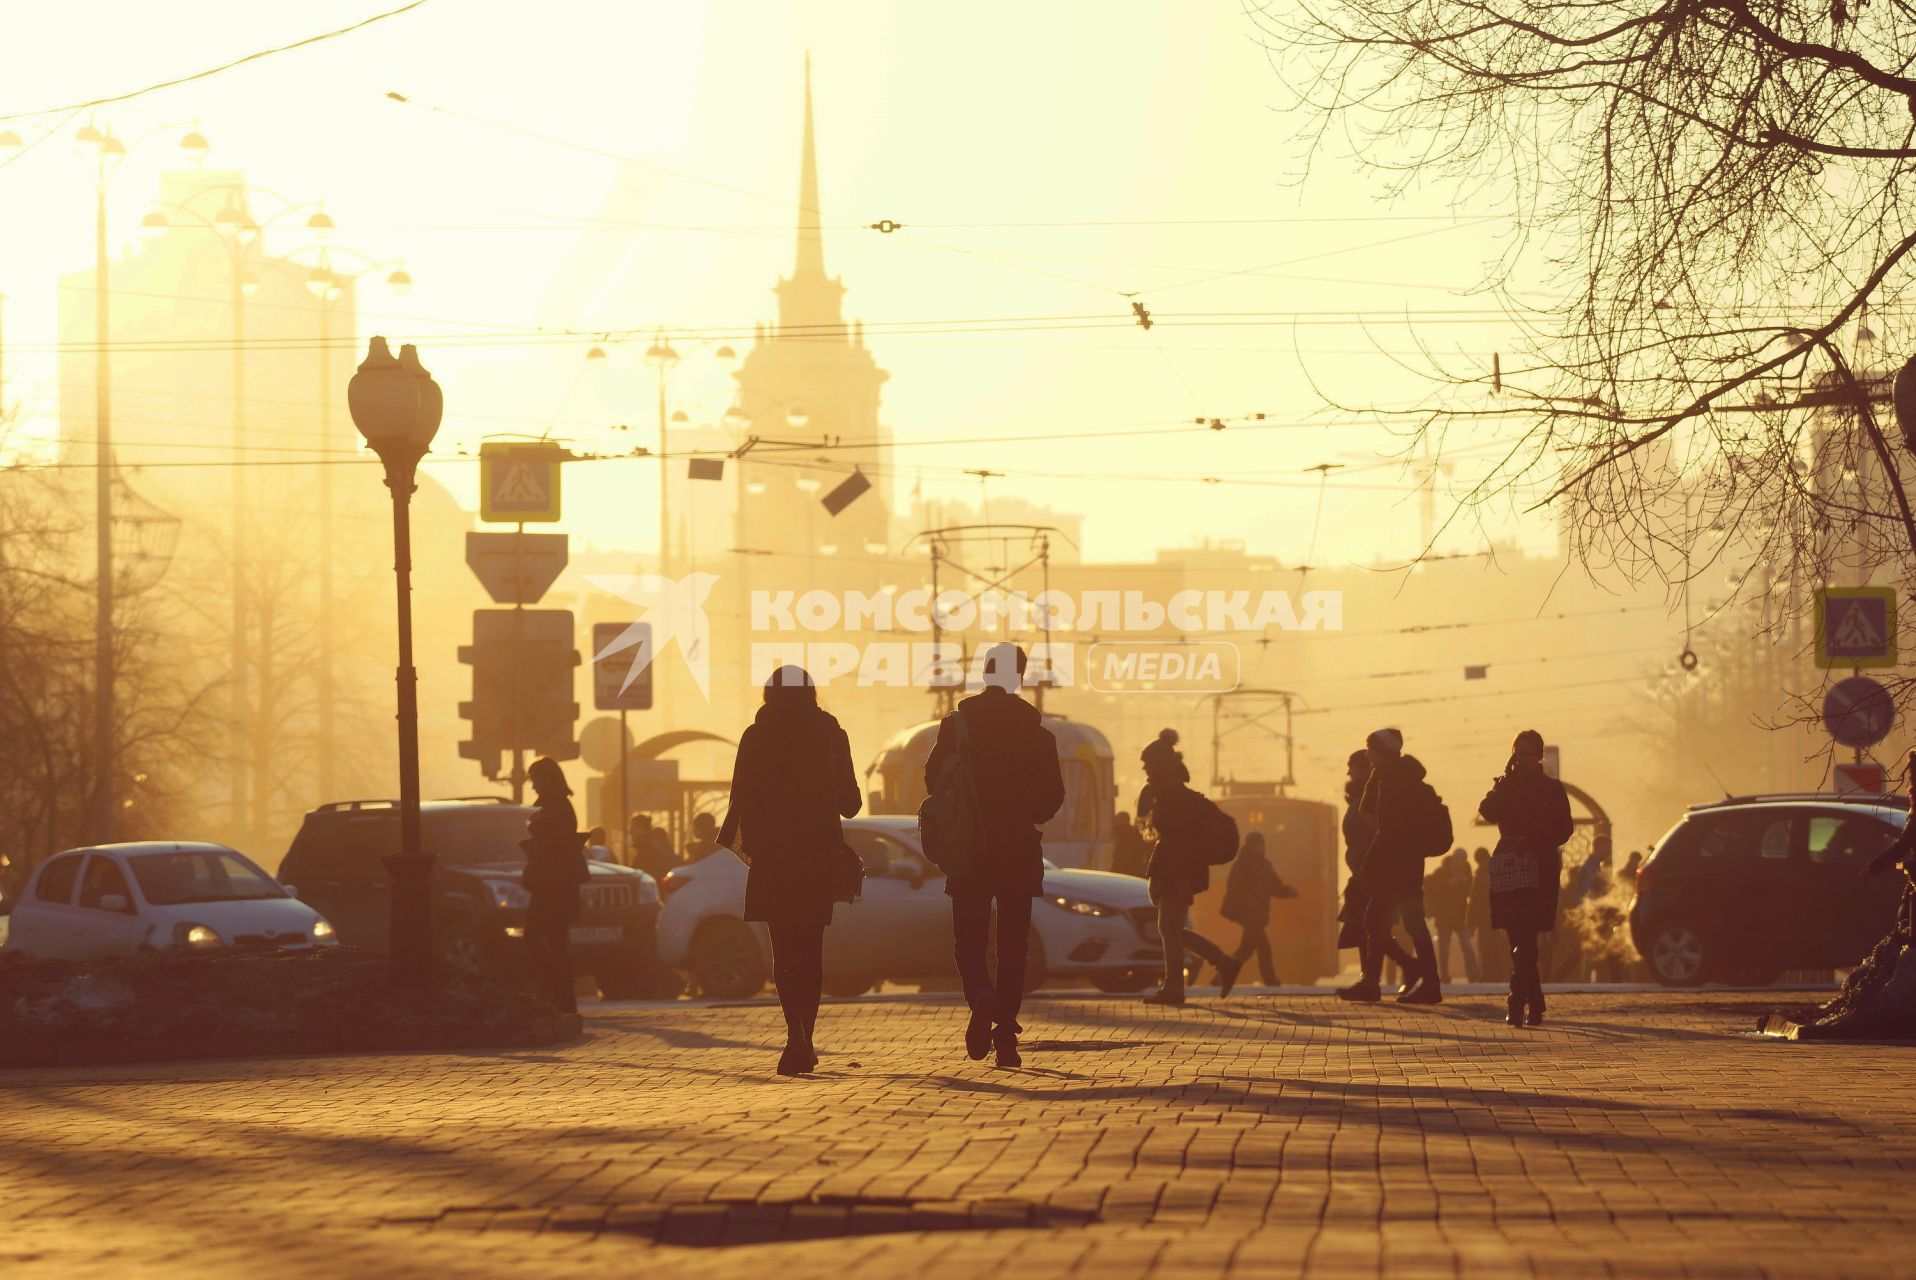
{"type": "Point", "coordinates": [1268, 1135]}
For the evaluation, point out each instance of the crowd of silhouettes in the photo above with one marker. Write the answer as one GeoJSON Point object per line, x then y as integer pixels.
{"type": "Point", "coordinates": [793, 784]}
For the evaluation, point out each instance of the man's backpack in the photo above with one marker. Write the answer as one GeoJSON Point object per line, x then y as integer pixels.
{"type": "Point", "coordinates": [950, 824]}
{"type": "Point", "coordinates": [1434, 832]}
{"type": "Point", "coordinates": [1217, 838]}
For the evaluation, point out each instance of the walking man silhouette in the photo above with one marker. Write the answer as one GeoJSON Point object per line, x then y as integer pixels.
{"type": "Point", "coordinates": [1014, 767]}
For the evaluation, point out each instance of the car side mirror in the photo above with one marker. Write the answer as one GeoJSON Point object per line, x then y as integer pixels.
{"type": "Point", "coordinates": [115, 902]}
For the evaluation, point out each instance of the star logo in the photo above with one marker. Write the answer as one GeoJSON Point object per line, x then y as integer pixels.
{"type": "Point", "coordinates": [671, 611]}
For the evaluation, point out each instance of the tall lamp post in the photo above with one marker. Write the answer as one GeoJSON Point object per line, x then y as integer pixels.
{"type": "Point", "coordinates": [108, 151]}
{"type": "Point", "coordinates": [327, 284]}
{"type": "Point", "coordinates": [239, 234]}
{"type": "Point", "coordinates": [397, 406]}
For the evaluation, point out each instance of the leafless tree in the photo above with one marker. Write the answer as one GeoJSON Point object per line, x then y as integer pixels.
{"type": "Point", "coordinates": [1716, 189]}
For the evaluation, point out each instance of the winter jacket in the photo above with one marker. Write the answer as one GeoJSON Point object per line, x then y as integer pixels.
{"type": "Point", "coordinates": [1248, 892]}
{"type": "Point", "coordinates": [1447, 894]}
{"type": "Point", "coordinates": [1396, 798]}
{"type": "Point", "coordinates": [1532, 812]}
{"type": "Point", "coordinates": [1178, 868]}
{"type": "Point", "coordinates": [791, 783]}
{"type": "Point", "coordinates": [555, 858]}
{"type": "Point", "coordinates": [1014, 764]}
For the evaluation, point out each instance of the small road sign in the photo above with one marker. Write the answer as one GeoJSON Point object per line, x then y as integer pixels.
{"type": "Point", "coordinates": [1864, 779]}
{"type": "Point", "coordinates": [1855, 627]}
{"type": "Point", "coordinates": [519, 482]}
{"type": "Point", "coordinates": [622, 666]}
{"type": "Point", "coordinates": [1858, 712]}
{"type": "Point", "coordinates": [516, 568]}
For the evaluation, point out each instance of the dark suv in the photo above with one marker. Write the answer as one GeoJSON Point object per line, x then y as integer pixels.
{"type": "Point", "coordinates": [335, 863]}
{"type": "Point", "coordinates": [1746, 888]}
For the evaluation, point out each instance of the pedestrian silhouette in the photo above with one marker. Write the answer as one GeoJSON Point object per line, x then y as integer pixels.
{"type": "Point", "coordinates": [704, 837]}
{"type": "Point", "coordinates": [1189, 828]}
{"type": "Point", "coordinates": [596, 849]}
{"type": "Point", "coordinates": [1358, 829]}
{"type": "Point", "coordinates": [1411, 825]}
{"type": "Point", "coordinates": [1012, 762]}
{"type": "Point", "coordinates": [1447, 893]}
{"type": "Point", "coordinates": [650, 847]}
{"type": "Point", "coordinates": [1248, 891]}
{"type": "Point", "coordinates": [1491, 955]}
{"type": "Point", "coordinates": [1532, 815]}
{"type": "Point", "coordinates": [555, 868]}
{"type": "Point", "coordinates": [1129, 852]}
{"type": "Point", "coordinates": [792, 781]}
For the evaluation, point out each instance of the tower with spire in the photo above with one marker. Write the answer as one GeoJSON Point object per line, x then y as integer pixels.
{"type": "Point", "coordinates": [808, 381]}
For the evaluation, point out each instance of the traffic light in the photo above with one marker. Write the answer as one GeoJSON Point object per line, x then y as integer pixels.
{"type": "Point", "coordinates": [522, 662]}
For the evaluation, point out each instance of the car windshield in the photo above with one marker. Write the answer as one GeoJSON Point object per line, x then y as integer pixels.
{"type": "Point", "coordinates": [473, 836]}
{"type": "Point", "coordinates": [201, 875]}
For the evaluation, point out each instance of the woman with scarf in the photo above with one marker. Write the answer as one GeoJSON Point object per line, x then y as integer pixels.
{"type": "Point", "coordinates": [791, 783]}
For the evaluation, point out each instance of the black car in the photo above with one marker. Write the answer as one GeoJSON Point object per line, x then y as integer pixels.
{"type": "Point", "coordinates": [479, 903]}
{"type": "Point", "coordinates": [1742, 890]}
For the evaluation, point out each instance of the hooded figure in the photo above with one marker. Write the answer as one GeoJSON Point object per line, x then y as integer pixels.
{"type": "Point", "coordinates": [1248, 891]}
{"type": "Point", "coordinates": [791, 783]}
{"type": "Point", "coordinates": [1178, 871]}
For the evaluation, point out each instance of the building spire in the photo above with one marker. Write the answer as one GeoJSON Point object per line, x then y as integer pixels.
{"type": "Point", "coordinates": [808, 299]}
{"type": "Point", "coordinates": [811, 236]}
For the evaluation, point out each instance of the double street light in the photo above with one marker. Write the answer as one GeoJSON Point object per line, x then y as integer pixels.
{"type": "Point", "coordinates": [397, 406]}
{"type": "Point", "coordinates": [238, 234]}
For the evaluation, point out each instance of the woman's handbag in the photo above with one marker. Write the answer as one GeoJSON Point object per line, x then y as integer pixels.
{"type": "Point", "coordinates": [1513, 871]}
{"type": "Point", "coordinates": [848, 875]}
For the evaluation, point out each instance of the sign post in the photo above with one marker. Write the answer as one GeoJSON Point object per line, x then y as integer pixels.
{"type": "Point", "coordinates": [622, 682]}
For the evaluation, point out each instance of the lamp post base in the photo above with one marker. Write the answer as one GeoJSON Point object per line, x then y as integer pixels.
{"type": "Point", "coordinates": [411, 938]}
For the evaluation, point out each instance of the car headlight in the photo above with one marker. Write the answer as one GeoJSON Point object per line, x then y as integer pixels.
{"type": "Point", "coordinates": [648, 890]}
{"type": "Point", "coordinates": [508, 895]}
{"type": "Point", "coordinates": [323, 930]}
{"type": "Point", "coordinates": [195, 936]}
{"type": "Point", "coordinates": [1080, 906]}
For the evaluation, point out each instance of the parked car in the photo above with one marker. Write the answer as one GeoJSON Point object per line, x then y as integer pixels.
{"type": "Point", "coordinates": [115, 899]}
{"type": "Point", "coordinates": [479, 900]}
{"type": "Point", "coordinates": [1744, 889]}
{"type": "Point", "coordinates": [1092, 924]}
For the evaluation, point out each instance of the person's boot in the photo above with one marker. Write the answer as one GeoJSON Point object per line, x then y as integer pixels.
{"type": "Point", "coordinates": [1227, 976]}
{"type": "Point", "coordinates": [1536, 1006]}
{"type": "Point", "coordinates": [792, 1061]}
{"type": "Point", "coordinates": [1365, 990]}
{"type": "Point", "coordinates": [1005, 1039]}
{"type": "Point", "coordinates": [1514, 1005]}
{"type": "Point", "coordinates": [978, 1036]}
{"type": "Point", "coordinates": [1427, 989]}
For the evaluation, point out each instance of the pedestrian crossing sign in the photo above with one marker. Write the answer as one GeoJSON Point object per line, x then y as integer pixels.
{"type": "Point", "coordinates": [1855, 627]}
{"type": "Point", "coordinates": [519, 482]}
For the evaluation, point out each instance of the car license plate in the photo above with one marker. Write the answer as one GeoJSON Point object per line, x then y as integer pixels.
{"type": "Point", "coordinates": [585, 934]}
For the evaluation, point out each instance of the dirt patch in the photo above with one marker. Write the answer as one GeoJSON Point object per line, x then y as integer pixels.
{"type": "Point", "coordinates": [158, 1006]}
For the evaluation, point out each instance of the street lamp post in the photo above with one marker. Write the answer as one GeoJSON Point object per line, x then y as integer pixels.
{"type": "Point", "coordinates": [326, 285]}
{"type": "Point", "coordinates": [238, 233]}
{"type": "Point", "coordinates": [397, 406]}
{"type": "Point", "coordinates": [108, 150]}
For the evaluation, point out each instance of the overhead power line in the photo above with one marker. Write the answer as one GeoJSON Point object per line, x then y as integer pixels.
{"type": "Point", "coordinates": [224, 66]}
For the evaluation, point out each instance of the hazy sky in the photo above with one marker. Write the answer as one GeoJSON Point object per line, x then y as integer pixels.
{"type": "Point", "coordinates": [589, 165]}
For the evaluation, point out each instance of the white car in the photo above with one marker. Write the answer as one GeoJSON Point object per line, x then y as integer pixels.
{"type": "Point", "coordinates": [1090, 924]}
{"type": "Point", "coordinates": [120, 898]}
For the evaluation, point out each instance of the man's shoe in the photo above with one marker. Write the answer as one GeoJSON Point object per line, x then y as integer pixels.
{"type": "Point", "coordinates": [1514, 1011]}
{"type": "Point", "coordinates": [1431, 992]}
{"type": "Point", "coordinates": [1007, 1044]}
{"type": "Point", "coordinates": [1164, 996]}
{"type": "Point", "coordinates": [1227, 977]}
{"type": "Point", "coordinates": [978, 1037]}
{"type": "Point", "coordinates": [1536, 1014]}
{"type": "Point", "coordinates": [1364, 992]}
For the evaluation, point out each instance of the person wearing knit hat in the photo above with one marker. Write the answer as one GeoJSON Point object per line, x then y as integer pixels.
{"type": "Point", "coordinates": [1178, 872]}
